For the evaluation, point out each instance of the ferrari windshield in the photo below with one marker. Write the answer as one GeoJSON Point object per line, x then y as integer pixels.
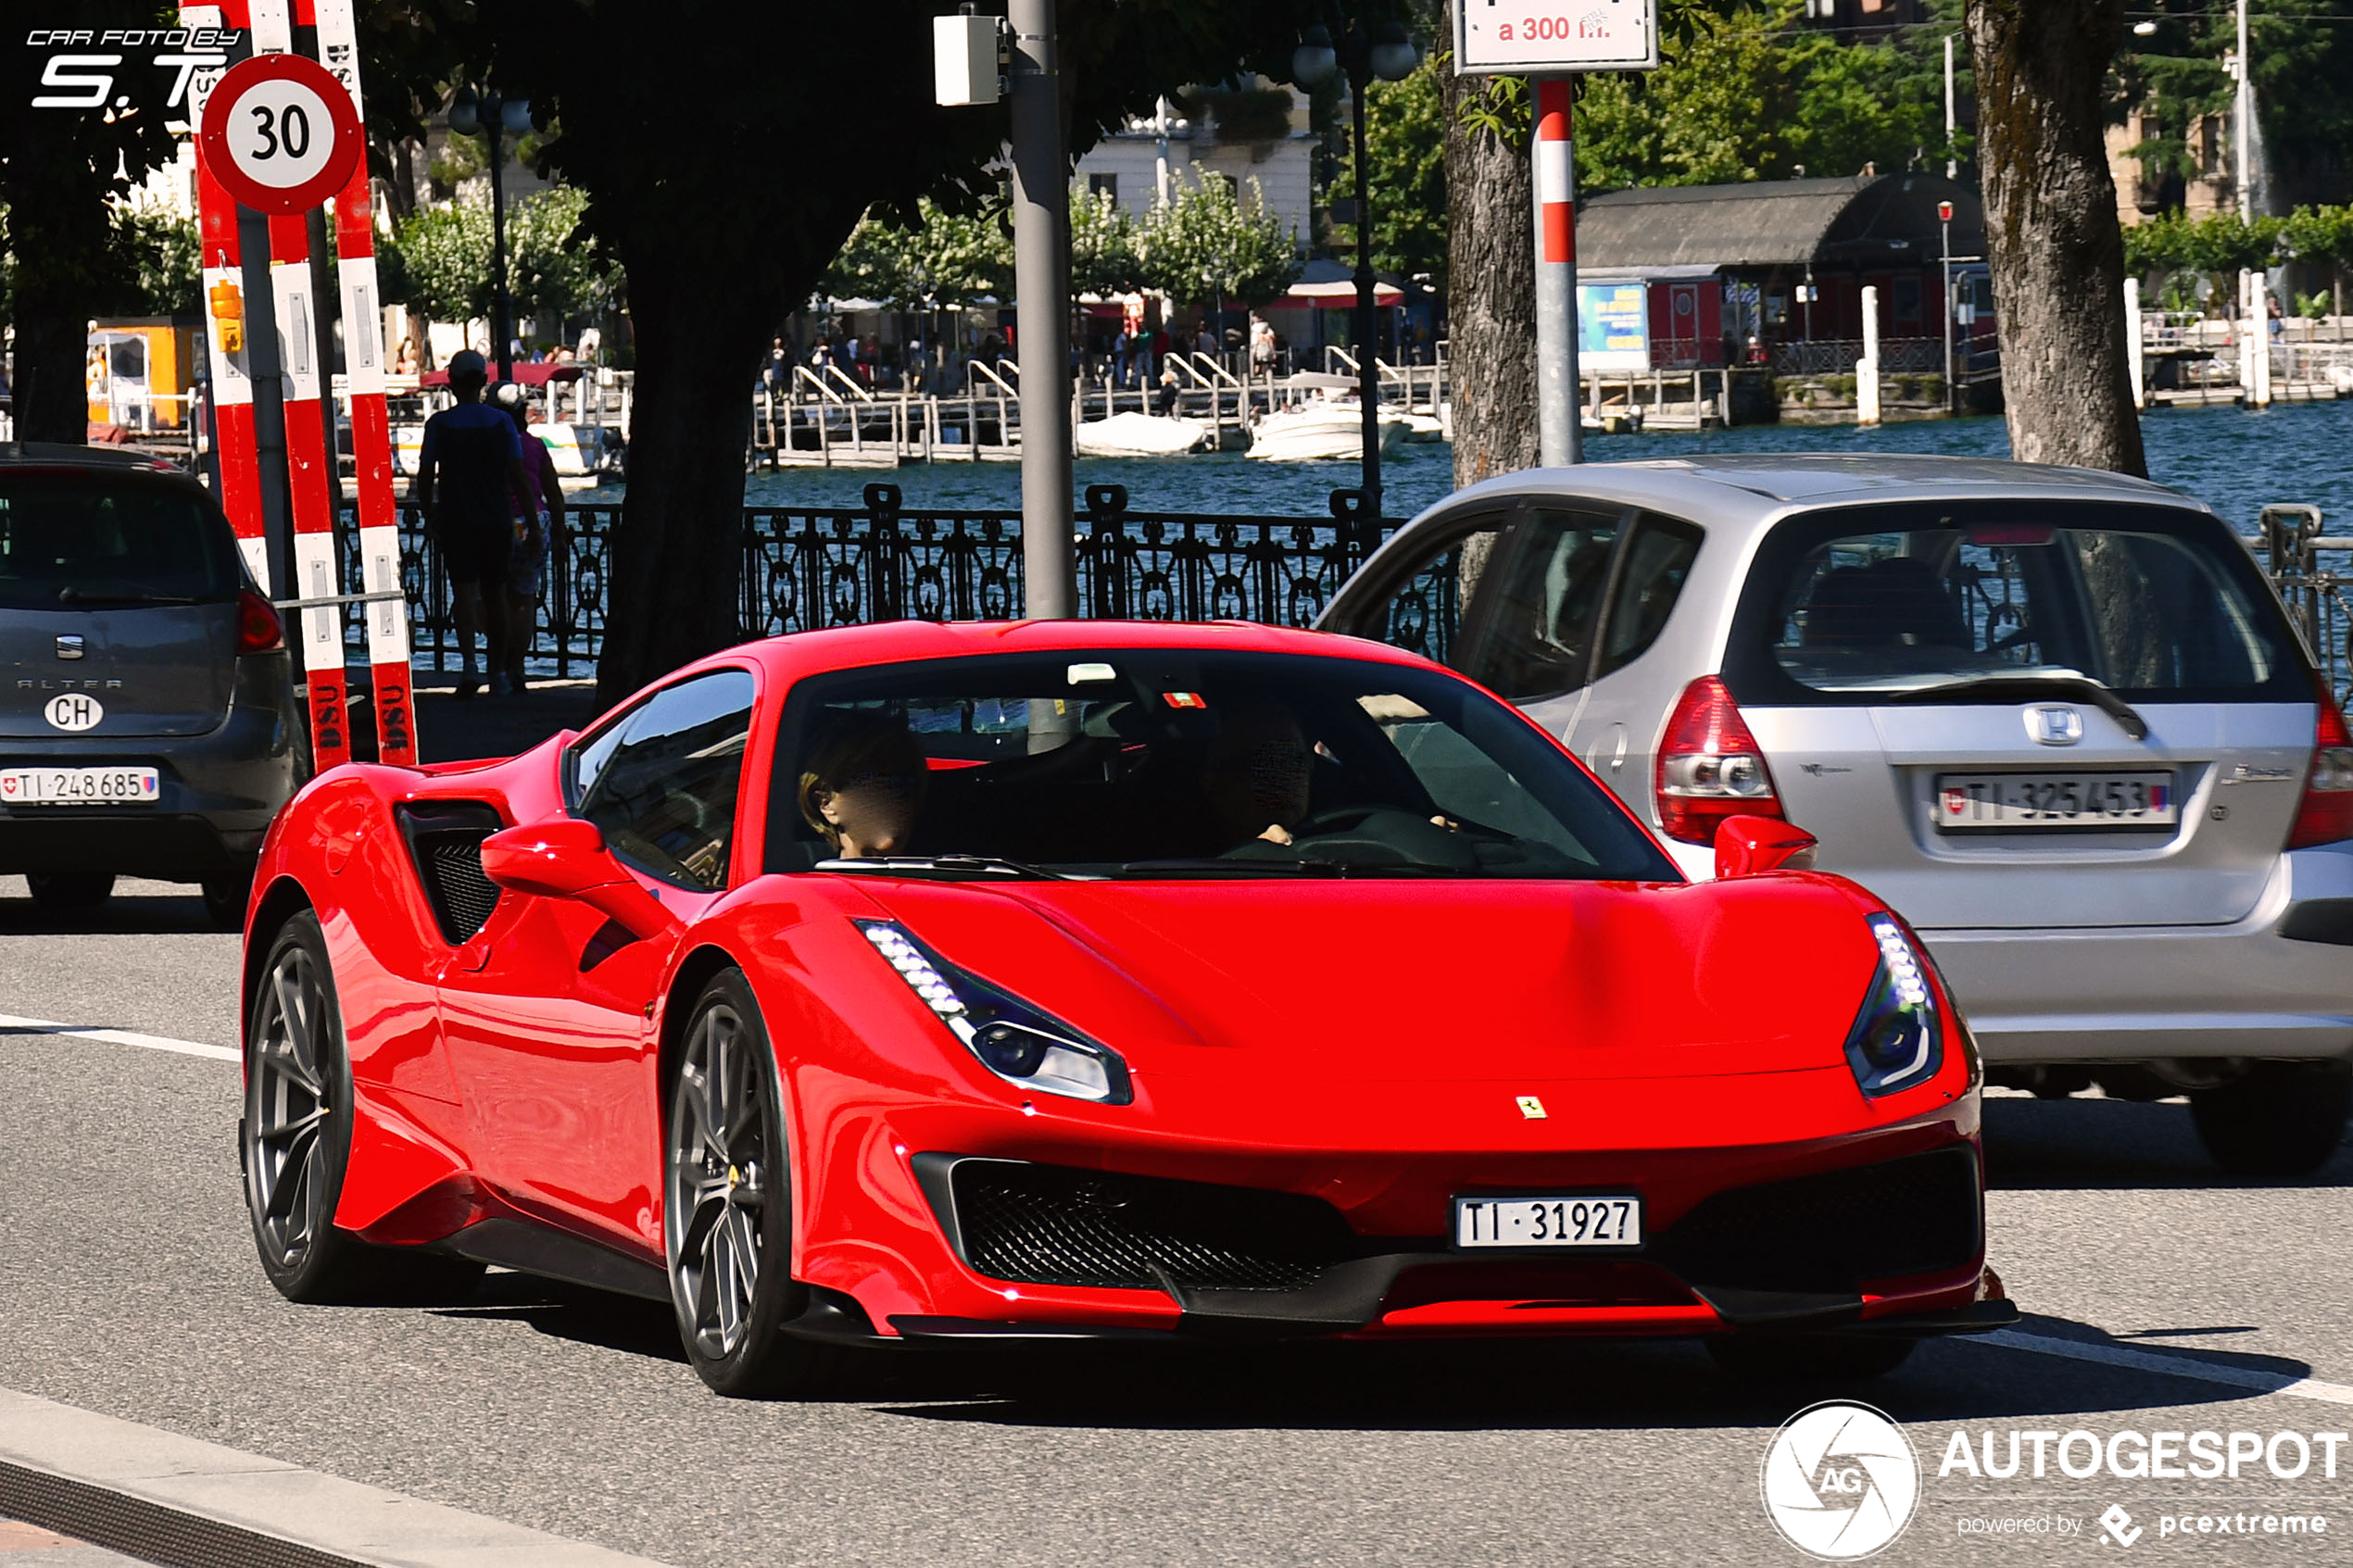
{"type": "Point", "coordinates": [1182, 763]}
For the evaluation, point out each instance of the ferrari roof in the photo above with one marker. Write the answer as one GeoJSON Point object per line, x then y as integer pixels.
{"type": "Point", "coordinates": [898, 641]}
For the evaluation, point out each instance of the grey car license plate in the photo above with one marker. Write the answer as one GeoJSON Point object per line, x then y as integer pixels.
{"type": "Point", "coordinates": [77, 786]}
{"type": "Point", "coordinates": [2009, 802]}
{"type": "Point", "coordinates": [1589, 1220]}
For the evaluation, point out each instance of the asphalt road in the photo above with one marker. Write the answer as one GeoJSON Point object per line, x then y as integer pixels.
{"type": "Point", "coordinates": [128, 1286]}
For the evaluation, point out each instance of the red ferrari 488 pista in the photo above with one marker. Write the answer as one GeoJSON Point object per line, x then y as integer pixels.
{"type": "Point", "coordinates": [919, 983]}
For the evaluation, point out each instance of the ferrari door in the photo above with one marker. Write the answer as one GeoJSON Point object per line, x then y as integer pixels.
{"type": "Point", "coordinates": [547, 1012]}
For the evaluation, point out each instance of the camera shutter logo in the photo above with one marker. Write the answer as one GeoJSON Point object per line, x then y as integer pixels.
{"type": "Point", "coordinates": [73, 712]}
{"type": "Point", "coordinates": [1840, 1481]}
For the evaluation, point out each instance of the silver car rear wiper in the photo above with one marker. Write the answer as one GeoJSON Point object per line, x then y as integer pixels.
{"type": "Point", "coordinates": [2027, 687]}
{"type": "Point", "coordinates": [947, 865]}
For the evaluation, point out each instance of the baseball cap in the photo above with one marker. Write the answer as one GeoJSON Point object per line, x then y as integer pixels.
{"type": "Point", "coordinates": [467, 365]}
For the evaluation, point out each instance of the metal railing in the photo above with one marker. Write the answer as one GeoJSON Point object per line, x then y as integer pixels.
{"type": "Point", "coordinates": [805, 569]}
{"type": "Point", "coordinates": [2315, 593]}
{"type": "Point", "coordinates": [1836, 356]}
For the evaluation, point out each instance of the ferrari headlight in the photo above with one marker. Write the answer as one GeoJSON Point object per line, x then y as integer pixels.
{"type": "Point", "coordinates": [1898, 1040]}
{"type": "Point", "coordinates": [1015, 1041]}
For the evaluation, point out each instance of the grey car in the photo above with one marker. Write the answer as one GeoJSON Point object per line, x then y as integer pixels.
{"type": "Point", "coordinates": [2057, 718]}
{"type": "Point", "coordinates": [148, 720]}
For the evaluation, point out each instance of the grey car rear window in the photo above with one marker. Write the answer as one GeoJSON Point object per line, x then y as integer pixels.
{"type": "Point", "coordinates": [97, 539]}
{"type": "Point", "coordinates": [2155, 603]}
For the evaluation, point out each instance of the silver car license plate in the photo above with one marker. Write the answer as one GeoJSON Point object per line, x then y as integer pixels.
{"type": "Point", "coordinates": [2010, 802]}
{"type": "Point", "coordinates": [1589, 1220]}
{"type": "Point", "coordinates": [77, 786]}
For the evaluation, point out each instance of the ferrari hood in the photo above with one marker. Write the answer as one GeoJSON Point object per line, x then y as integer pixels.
{"type": "Point", "coordinates": [1393, 979]}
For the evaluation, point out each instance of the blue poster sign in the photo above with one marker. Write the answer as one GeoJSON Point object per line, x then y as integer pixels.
{"type": "Point", "coordinates": [1613, 327]}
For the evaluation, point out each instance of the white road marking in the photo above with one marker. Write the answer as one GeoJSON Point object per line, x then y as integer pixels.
{"type": "Point", "coordinates": [12, 1025]}
{"type": "Point", "coordinates": [2251, 1378]}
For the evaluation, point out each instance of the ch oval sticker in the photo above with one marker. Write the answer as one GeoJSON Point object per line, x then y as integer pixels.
{"type": "Point", "coordinates": [73, 712]}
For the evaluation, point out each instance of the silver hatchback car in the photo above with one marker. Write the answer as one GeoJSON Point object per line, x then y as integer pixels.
{"type": "Point", "coordinates": [2057, 718]}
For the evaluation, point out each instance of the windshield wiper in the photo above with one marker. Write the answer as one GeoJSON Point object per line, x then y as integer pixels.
{"type": "Point", "coordinates": [946, 865]}
{"type": "Point", "coordinates": [2025, 687]}
{"type": "Point", "coordinates": [71, 595]}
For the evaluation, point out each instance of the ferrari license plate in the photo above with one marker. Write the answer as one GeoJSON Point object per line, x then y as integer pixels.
{"type": "Point", "coordinates": [77, 786]}
{"type": "Point", "coordinates": [2010, 802]}
{"type": "Point", "coordinates": [1602, 1220]}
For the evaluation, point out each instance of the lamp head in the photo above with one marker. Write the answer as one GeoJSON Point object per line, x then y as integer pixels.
{"type": "Point", "coordinates": [1314, 61]}
{"type": "Point", "coordinates": [465, 117]}
{"type": "Point", "coordinates": [1394, 56]}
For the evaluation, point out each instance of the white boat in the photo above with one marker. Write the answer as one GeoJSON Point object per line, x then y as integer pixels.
{"type": "Point", "coordinates": [1425, 427]}
{"type": "Point", "coordinates": [583, 454]}
{"type": "Point", "coordinates": [1139, 435]}
{"type": "Point", "coordinates": [1330, 430]}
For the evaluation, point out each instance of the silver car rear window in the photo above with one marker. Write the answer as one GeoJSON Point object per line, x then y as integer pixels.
{"type": "Point", "coordinates": [2155, 603]}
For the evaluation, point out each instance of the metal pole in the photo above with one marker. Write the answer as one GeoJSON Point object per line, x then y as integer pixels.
{"type": "Point", "coordinates": [2245, 103]}
{"type": "Point", "coordinates": [1041, 280]}
{"type": "Point", "coordinates": [265, 365]}
{"type": "Point", "coordinates": [501, 326]}
{"type": "Point", "coordinates": [1952, 166]}
{"type": "Point", "coordinates": [1560, 433]}
{"type": "Point", "coordinates": [1944, 245]}
{"type": "Point", "coordinates": [1368, 377]}
{"type": "Point", "coordinates": [1160, 123]}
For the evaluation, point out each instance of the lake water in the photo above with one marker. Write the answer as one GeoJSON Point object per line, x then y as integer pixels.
{"type": "Point", "coordinates": [2236, 461]}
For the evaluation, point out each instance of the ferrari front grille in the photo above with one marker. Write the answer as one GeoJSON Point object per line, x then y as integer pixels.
{"type": "Point", "coordinates": [1049, 1224]}
{"type": "Point", "coordinates": [1831, 1232]}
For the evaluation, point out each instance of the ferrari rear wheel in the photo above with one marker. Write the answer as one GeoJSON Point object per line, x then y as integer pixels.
{"type": "Point", "coordinates": [727, 1215]}
{"type": "Point", "coordinates": [294, 1141]}
{"type": "Point", "coordinates": [1809, 1357]}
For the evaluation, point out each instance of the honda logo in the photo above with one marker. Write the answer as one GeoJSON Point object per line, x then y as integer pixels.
{"type": "Point", "coordinates": [2054, 725]}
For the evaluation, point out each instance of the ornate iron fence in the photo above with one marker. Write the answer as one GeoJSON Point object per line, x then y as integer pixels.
{"type": "Point", "coordinates": [805, 569]}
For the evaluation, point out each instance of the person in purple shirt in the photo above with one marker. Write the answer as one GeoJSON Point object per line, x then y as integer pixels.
{"type": "Point", "coordinates": [468, 474]}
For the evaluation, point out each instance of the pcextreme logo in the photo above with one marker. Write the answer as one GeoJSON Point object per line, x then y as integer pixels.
{"type": "Point", "coordinates": [1840, 1481]}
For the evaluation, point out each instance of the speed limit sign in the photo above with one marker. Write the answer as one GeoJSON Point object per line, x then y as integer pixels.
{"type": "Point", "coordinates": [280, 133]}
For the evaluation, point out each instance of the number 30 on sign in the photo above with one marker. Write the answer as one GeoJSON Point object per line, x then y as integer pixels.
{"type": "Point", "coordinates": [280, 133]}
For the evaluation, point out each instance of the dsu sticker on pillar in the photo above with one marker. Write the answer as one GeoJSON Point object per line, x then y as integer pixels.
{"type": "Point", "coordinates": [1840, 1481]}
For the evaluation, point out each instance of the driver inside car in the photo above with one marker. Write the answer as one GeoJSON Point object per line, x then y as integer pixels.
{"type": "Point", "coordinates": [863, 789]}
{"type": "Point", "coordinates": [1257, 776]}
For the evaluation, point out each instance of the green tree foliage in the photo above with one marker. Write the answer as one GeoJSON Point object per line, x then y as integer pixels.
{"type": "Point", "coordinates": [2177, 248]}
{"type": "Point", "coordinates": [2303, 58]}
{"type": "Point", "coordinates": [444, 260]}
{"type": "Point", "coordinates": [1103, 245]}
{"type": "Point", "coordinates": [1405, 158]}
{"type": "Point", "coordinates": [943, 257]}
{"type": "Point", "coordinates": [158, 266]}
{"type": "Point", "coordinates": [1208, 243]}
{"type": "Point", "coordinates": [1751, 93]}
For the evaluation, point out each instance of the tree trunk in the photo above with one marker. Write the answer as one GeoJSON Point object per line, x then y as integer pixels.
{"type": "Point", "coordinates": [2052, 235]}
{"type": "Point", "coordinates": [57, 232]}
{"type": "Point", "coordinates": [1491, 295]}
{"type": "Point", "coordinates": [677, 555]}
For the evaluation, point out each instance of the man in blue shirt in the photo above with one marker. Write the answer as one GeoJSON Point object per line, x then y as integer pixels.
{"type": "Point", "coordinates": [469, 472]}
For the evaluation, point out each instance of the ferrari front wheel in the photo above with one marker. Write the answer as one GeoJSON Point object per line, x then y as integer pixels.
{"type": "Point", "coordinates": [294, 1141]}
{"type": "Point", "coordinates": [727, 1214]}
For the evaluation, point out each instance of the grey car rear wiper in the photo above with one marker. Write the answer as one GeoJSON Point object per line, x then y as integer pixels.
{"type": "Point", "coordinates": [2027, 687]}
{"type": "Point", "coordinates": [947, 865]}
{"type": "Point", "coordinates": [71, 595]}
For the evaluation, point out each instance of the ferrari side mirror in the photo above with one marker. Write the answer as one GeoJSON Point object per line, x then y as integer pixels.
{"type": "Point", "coordinates": [567, 858]}
{"type": "Point", "coordinates": [1746, 845]}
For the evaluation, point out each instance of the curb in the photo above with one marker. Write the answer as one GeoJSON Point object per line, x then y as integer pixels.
{"type": "Point", "coordinates": [183, 1503]}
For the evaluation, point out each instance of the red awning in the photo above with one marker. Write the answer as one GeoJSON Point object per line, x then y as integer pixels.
{"type": "Point", "coordinates": [1335, 295]}
{"type": "Point", "coordinates": [526, 375]}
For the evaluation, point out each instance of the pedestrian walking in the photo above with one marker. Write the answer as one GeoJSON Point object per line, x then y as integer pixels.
{"type": "Point", "coordinates": [539, 524]}
{"type": "Point", "coordinates": [778, 373]}
{"type": "Point", "coordinates": [469, 470]}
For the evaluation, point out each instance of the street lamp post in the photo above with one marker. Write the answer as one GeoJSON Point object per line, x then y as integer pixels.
{"type": "Point", "coordinates": [472, 113]}
{"type": "Point", "coordinates": [1945, 229]}
{"type": "Point", "coordinates": [1388, 53]}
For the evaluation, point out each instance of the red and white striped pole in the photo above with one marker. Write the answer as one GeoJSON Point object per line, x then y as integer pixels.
{"type": "Point", "coordinates": [311, 482]}
{"type": "Point", "coordinates": [228, 317]}
{"type": "Point", "coordinates": [1559, 434]}
{"type": "Point", "coordinates": [355, 218]}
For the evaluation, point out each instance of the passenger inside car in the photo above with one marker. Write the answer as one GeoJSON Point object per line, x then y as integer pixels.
{"type": "Point", "coordinates": [1257, 774]}
{"type": "Point", "coordinates": [863, 789]}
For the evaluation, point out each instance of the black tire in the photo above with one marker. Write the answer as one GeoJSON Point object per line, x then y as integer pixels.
{"type": "Point", "coordinates": [2283, 1119]}
{"type": "Point", "coordinates": [1809, 1357]}
{"type": "Point", "coordinates": [293, 1142]}
{"type": "Point", "coordinates": [70, 893]}
{"type": "Point", "coordinates": [727, 1210]}
{"type": "Point", "coordinates": [226, 895]}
